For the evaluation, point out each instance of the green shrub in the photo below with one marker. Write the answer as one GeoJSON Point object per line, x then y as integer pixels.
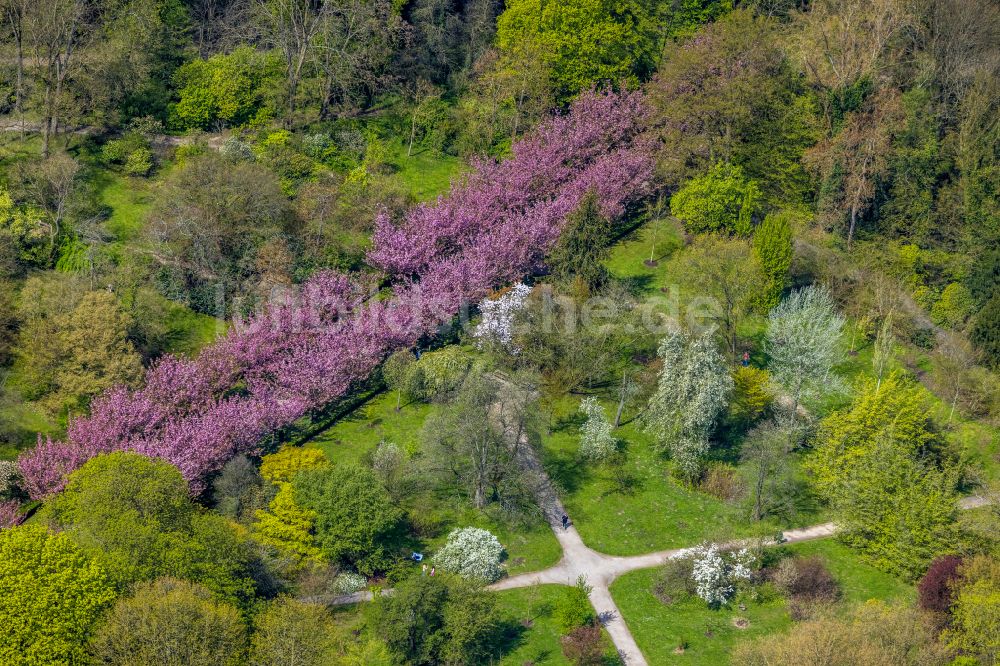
{"type": "Point", "coordinates": [228, 89]}
{"type": "Point", "coordinates": [115, 151]}
{"type": "Point", "coordinates": [674, 581]}
{"type": "Point", "coordinates": [139, 162]}
{"type": "Point", "coordinates": [132, 151]}
{"type": "Point", "coordinates": [954, 306]}
{"type": "Point", "coordinates": [573, 608]}
{"type": "Point", "coordinates": [723, 199]}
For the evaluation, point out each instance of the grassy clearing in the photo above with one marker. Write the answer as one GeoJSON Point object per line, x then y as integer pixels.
{"type": "Point", "coordinates": [709, 635]}
{"type": "Point", "coordinates": [23, 420]}
{"type": "Point", "coordinates": [14, 148]}
{"type": "Point", "coordinates": [858, 580]}
{"type": "Point", "coordinates": [706, 635]}
{"type": "Point", "coordinates": [425, 173]}
{"type": "Point", "coordinates": [536, 635]}
{"type": "Point", "coordinates": [187, 331]}
{"type": "Point", "coordinates": [530, 545]}
{"type": "Point", "coordinates": [630, 257]}
{"type": "Point", "coordinates": [654, 512]}
{"type": "Point", "coordinates": [130, 201]}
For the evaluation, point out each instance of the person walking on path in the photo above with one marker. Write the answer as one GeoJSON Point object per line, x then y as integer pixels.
{"type": "Point", "coordinates": [565, 522]}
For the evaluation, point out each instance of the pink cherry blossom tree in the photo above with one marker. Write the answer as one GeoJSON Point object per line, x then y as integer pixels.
{"type": "Point", "coordinates": [308, 350]}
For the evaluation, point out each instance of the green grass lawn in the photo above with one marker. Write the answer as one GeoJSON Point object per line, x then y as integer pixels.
{"type": "Point", "coordinates": [23, 420]}
{"type": "Point", "coordinates": [630, 257]}
{"type": "Point", "coordinates": [130, 201]}
{"type": "Point", "coordinates": [14, 149]}
{"type": "Point", "coordinates": [709, 635]}
{"type": "Point", "coordinates": [858, 580]}
{"type": "Point", "coordinates": [187, 331]}
{"type": "Point", "coordinates": [536, 636]}
{"type": "Point", "coordinates": [425, 173]}
{"type": "Point", "coordinates": [530, 544]}
{"type": "Point", "coordinates": [655, 514]}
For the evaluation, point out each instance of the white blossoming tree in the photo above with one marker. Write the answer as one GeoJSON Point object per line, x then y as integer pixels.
{"type": "Point", "coordinates": [711, 577]}
{"type": "Point", "coordinates": [596, 440]}
{"type": "Point", "coordinates": [803, 341]}
{"type": "Point", "coordinates": [9, 478]}
{"type": "Point", "coordinates": [472, 553]}
{"type": "Point", "coordinates": [349, 583]}
{"type": "Point", "coordinates": [692, 391]}
{"type": "Point", "coordinates": [496, 326]}
{"type": "Point", "coordinates": [717, 575]}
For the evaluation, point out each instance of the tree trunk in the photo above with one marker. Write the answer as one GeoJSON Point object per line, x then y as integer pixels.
{"type": "Point", "coordinates": [758, 509]}
{"type": "Point", "coordinates": [621, 402]}
{"type": "Point", "coordinates": [850, 230]}
{"type": "Point", "coordinates": [479, 501]}
{"type": "Point", "coordinates": [46, 121]}
{"type": "Point", "coordinates": [19, 85]}
{"type": "Point", "coordinates": [413, 132]}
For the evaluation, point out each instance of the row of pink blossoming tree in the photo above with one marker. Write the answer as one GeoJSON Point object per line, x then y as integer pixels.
{"type": "Point", "coordinates": [308, 350]}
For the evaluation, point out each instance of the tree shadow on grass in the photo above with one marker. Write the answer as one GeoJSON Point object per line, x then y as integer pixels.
{"type": "Point", "coordinates": [637, 285]}
{"type": "Point", "coordinates": [567, 471]}
{"type": "Point", "coordinates": [511, 636]}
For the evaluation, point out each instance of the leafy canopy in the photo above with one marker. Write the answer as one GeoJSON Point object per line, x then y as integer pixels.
{"type": "Point", "coordinates": [356, 521]}
{"type": "Point", "coordinates": [134, 515]}
{"type": "Point", "coordinates": [50, 594]}
{"type": "Point", "coordinates": [693, 388]}
{"type": "Point", "coordinates": [585, 41]}
{"type": "Point", "coordinates": [721, 200]}
{"type": "Point", "coordinates": [172, 623]}
{"type": "Point", "coordinates": [438, 620]}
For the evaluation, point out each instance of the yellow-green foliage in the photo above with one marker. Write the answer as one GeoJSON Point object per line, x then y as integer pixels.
{"type": "Point", "coordinates": [954, 306]}
{"type": "Point", "coordinates": [584, 41]}
{"type": "Point", "coordinates": [893, 412]}
{"type": "Point", "coordinates": [295, 633]}
{"type": "Point", "coordinates": [723, 199]}
{"type": "Point", "coordinates": [227, 88]}
{"type": "Point", "coordinates": [171, 622]}
{"type": "Point", "coordinates": [282, 466]}
{"type": "Point", "coordinates": [50, 595]}
{"type": "Point", "coordinates": [873, 462]}
{"type": "Point", "coordinates": [443, 370]}
{"type": "Point", "coordinates": [975, 626]}
{"type": "Point", "coordinates": [751, 394]}
{"type": "Point", "coordinates": [287, 526]}
{"type": "Point", "coordinates": [25, 229]}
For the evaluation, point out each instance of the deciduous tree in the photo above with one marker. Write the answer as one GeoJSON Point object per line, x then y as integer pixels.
{"type": "Point", "coordinates": [589, 41]}
{"type": "Point", "coordinates": [721, 200]}
{"type": "Point", "coordinates": [726, 271]}
{"type": "Point", "coordinates": [134, 515]}
{"type": "Point", "coordinates": [51, 593]}
{"type": "Point", "coordinates": [693, 388]}
{"type": "Point", "coordinates": [803, 341]}
{"type": "Point", "coordinates": [355, 519]}
{"type": "Point", "coordinates": [293, 633]}
{"type": "Point", "coordinates": [437, 620]}
{"type": "Point", "coordinates": [174, 623]}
